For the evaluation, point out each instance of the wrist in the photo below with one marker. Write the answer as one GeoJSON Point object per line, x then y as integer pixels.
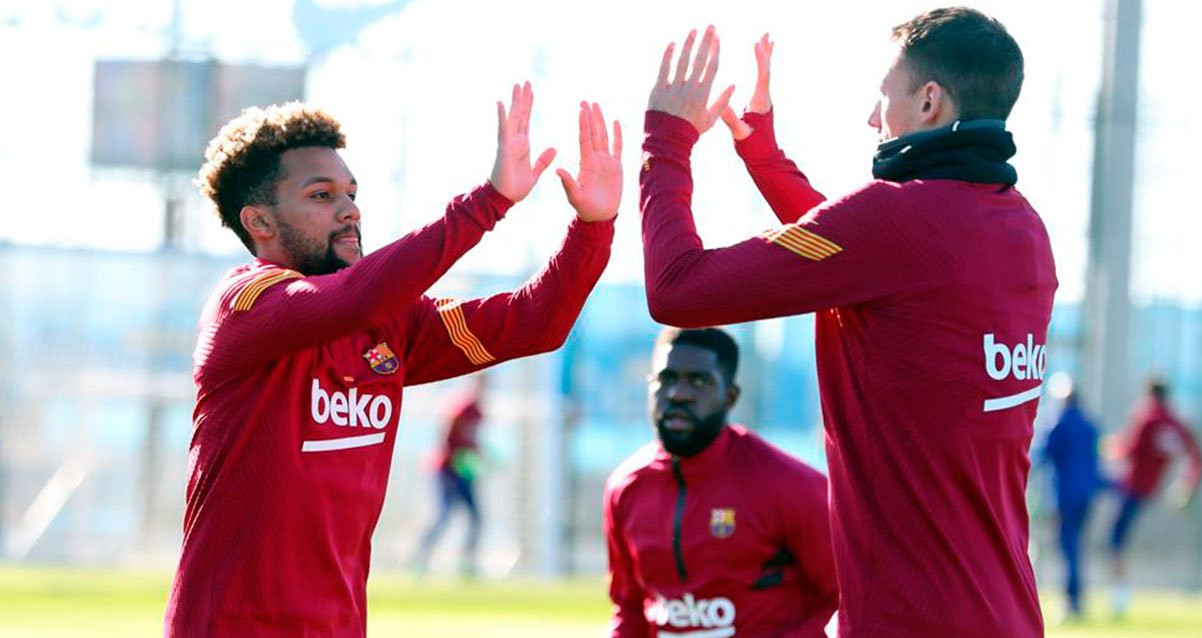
{"type": "Point", "coordinates": [671, 129]}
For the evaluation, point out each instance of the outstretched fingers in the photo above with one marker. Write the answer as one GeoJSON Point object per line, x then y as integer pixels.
{"type": "Point", "coordinates": [706, 63]}
{"type": "Point", "coordinates": [682, 64]}
{"type": "Point", "coordinates": [527, 107]}
{"type": "Point", "coordinates": [599, 135]}
{"type": "Point", "coordinates": [665, 65]}
{"type": "Point", "coordinates": [586, 136]}
{"type": "Point", "coordinates": [617, 139]}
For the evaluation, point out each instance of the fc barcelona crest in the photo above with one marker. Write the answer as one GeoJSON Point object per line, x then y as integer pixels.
{"type": "Point", "coordinates": [722, 522]}
{"type": "Point", "coordinates": [381, 358]}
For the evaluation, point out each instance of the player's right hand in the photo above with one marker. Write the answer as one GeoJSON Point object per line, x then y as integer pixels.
{"type": "Point", "coordinates": [761, 101]}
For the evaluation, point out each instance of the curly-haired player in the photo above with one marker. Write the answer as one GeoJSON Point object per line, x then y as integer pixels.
{"type": "Point", "coordinates": [303, 354]}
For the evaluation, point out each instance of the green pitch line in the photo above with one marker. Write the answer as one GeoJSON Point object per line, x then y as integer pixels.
{"type": "Point", "coordinates": [37, 602]}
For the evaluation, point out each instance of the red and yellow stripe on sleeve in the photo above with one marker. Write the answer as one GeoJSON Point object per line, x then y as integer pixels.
{"type": "Point", "coordinates": [251, 291]}
{"type": "Point", "coordinates": [451, 313]}
{"type": "Point", "coordinates": [802, 242]}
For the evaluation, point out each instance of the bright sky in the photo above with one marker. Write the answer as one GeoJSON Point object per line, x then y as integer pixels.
{"type": "Point", "coordinates": [416, 91]}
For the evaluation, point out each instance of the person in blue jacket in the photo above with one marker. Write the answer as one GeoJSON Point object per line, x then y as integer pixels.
{"type": "Point", "coordinates": [1072, 451]}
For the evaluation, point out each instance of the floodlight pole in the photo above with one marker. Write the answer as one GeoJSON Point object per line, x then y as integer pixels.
{"type": "Point", "coordinates": [1105, 359]}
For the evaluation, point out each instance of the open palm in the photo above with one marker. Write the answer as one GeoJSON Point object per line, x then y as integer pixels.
{"type": "Point", "coordinates": [512, 174]}
{"type": "Point", "coordinates": [597, 188]}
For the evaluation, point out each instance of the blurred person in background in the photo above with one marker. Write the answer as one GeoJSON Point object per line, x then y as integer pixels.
{"type": "Point", "coordinates": [932, 288]}
{"type": "Point", "coordinates": [456, 465]}
{"type": "Point", "coordinates": [302, 356]}
{"type": "Point", "coordinates": [1154, 438]}
{"type": "Point", "coordinates": [1071, 449]}
{"type": "Point", "coordinates": [710, 528]}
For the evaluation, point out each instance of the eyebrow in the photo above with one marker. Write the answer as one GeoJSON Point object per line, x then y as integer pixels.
{"type": "Point", "coordinates": [321, 178]}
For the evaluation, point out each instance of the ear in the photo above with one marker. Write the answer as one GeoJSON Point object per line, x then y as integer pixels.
{"type": "Point", "coordinates": [732, 395]}
{"type": "Point", "coordinates": [937, 105]}
{"type": "Point", "coordinates": [258, 223]}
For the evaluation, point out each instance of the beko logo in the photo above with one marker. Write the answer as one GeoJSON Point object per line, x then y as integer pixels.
{"type": "Point", "coordinates": [1024, 361]}
{"type": "Point", "coordinates": [350, 409]}
{"type": "Point", "coordinates": [704, 617]}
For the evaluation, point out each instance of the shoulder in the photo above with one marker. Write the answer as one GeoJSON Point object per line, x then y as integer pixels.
{"type": "Point", "coordinates": [629, 470]}
{"type": "Point", "coordinates": [241, 287]}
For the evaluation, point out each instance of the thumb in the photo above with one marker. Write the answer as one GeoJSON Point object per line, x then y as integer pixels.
{"type": "Point", "coordinates": [739, 129]}
{"type": "Point", "coordinates": [543, 161]}
{"type": "Point", "coordinates": [570, 188]}
{"type": "Point", "coordinates": [720, 105]}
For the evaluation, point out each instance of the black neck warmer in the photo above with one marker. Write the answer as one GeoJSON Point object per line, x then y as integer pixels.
{"type": "Point", "coordinates": [971, 151]}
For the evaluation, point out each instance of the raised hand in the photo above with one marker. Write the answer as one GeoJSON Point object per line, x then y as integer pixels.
{"type": "Point", "coordinates": [761, 101]}
{"type": "Point", "coordinates": [686, 97]}
{"type": "Point", "coordinates": [512, 174]}
{"type": "Point", "coordinates": [597, 188]}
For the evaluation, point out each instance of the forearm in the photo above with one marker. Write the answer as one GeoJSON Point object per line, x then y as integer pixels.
{"type": "Point", "coordinates": [302, 312]}
{"type": "Point", "coordinates": [539, 316]}
{"type": "Point", "coordinates": [449, 338]}
{"type": "Point", "coordinates": [686, 285]}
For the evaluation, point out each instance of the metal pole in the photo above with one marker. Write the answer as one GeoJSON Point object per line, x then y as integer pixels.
{"type": "Point", "coordinates": [1106, 360]}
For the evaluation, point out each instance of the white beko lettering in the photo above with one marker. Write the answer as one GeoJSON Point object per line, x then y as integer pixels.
{"type": "Point", "coordinates": [350, 409]}
{"type": "Point", "coordinates": [701, 618]}
{"type": "Point", "coordinates": [1026, 361]}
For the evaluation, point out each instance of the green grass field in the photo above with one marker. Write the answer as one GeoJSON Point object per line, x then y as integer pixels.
{"type": "Point", "coordinates": [43, 602]}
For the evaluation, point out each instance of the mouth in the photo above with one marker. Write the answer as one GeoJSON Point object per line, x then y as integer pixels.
{"type": "Point", "coordinates": [347, 238]}
{"type": "Point", "coordinates": [677, 421]}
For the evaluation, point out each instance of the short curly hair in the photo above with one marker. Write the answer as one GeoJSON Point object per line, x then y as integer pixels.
{"type": "Point", "coordinates": [242, 163]}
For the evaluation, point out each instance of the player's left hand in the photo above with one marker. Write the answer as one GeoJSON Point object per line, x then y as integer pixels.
{"type": "Point", "coordinates": [686, 97]}
{"type": "Point", "coordinates": [597, 187]}
{"type": "Point", "coordinates": [512, 174]}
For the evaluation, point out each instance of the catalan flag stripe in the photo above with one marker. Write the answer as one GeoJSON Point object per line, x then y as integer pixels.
{"type": "Point", "coordinates": [802, 242]}
{"type": "Point", "coordinates": [451, 314]}
{"type": "Point", "coordinates": [247, 296]}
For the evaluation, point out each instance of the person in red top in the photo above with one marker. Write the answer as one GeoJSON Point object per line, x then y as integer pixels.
{"type": "Point", "coordinates": [1154, 438]}
{"type": "Point", "coordinates": [303, 354]}
{"type": "Point", "coordinates": [932, 290]}
{"type": "Point", "coordinates": [711, 530]}
{"type": "Point", "coordinates": [456, 464]}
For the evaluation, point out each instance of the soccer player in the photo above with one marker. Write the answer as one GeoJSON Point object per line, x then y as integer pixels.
{"type": "Point", "coordinates": [1154, 438]}
{"type": "Point", "coordinates": [303, 353]}
{"type": "Point", "coordinates": [711, 530]}
{"type": "Point", "coordinates": [456, 464]}
{"type": "Point", "coordinates": [932, 290]}
{"type": "Point", "coordinates": [1072, 451]}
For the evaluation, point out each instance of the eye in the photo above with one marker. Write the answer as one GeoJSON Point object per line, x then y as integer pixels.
{"type": "Point", "coordinates": [701, 381]}
{"type": "Point", "coordinates": [352, 195]}
{"type": "Point", "coordinates": [663, 378]}
{"type": "Point", "coordinates": [320, 195]}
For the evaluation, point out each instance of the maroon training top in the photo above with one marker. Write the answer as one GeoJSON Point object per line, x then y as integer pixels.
{"type": "Point", "coordinates": [299, 384]}
{"type": "Point", "coordinates": [734, 540]}
{"type": "Point", "coordinates": [932, 300]}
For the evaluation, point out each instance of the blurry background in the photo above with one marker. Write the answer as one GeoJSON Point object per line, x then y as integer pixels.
{"type": "Point", "coordinates": [107, 252]}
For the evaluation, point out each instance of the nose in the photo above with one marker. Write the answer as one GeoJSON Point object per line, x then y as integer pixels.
{"type": "Point", "coordinates": [349, 211]}
{"type": "Point", "coordinates": [874, 120]}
